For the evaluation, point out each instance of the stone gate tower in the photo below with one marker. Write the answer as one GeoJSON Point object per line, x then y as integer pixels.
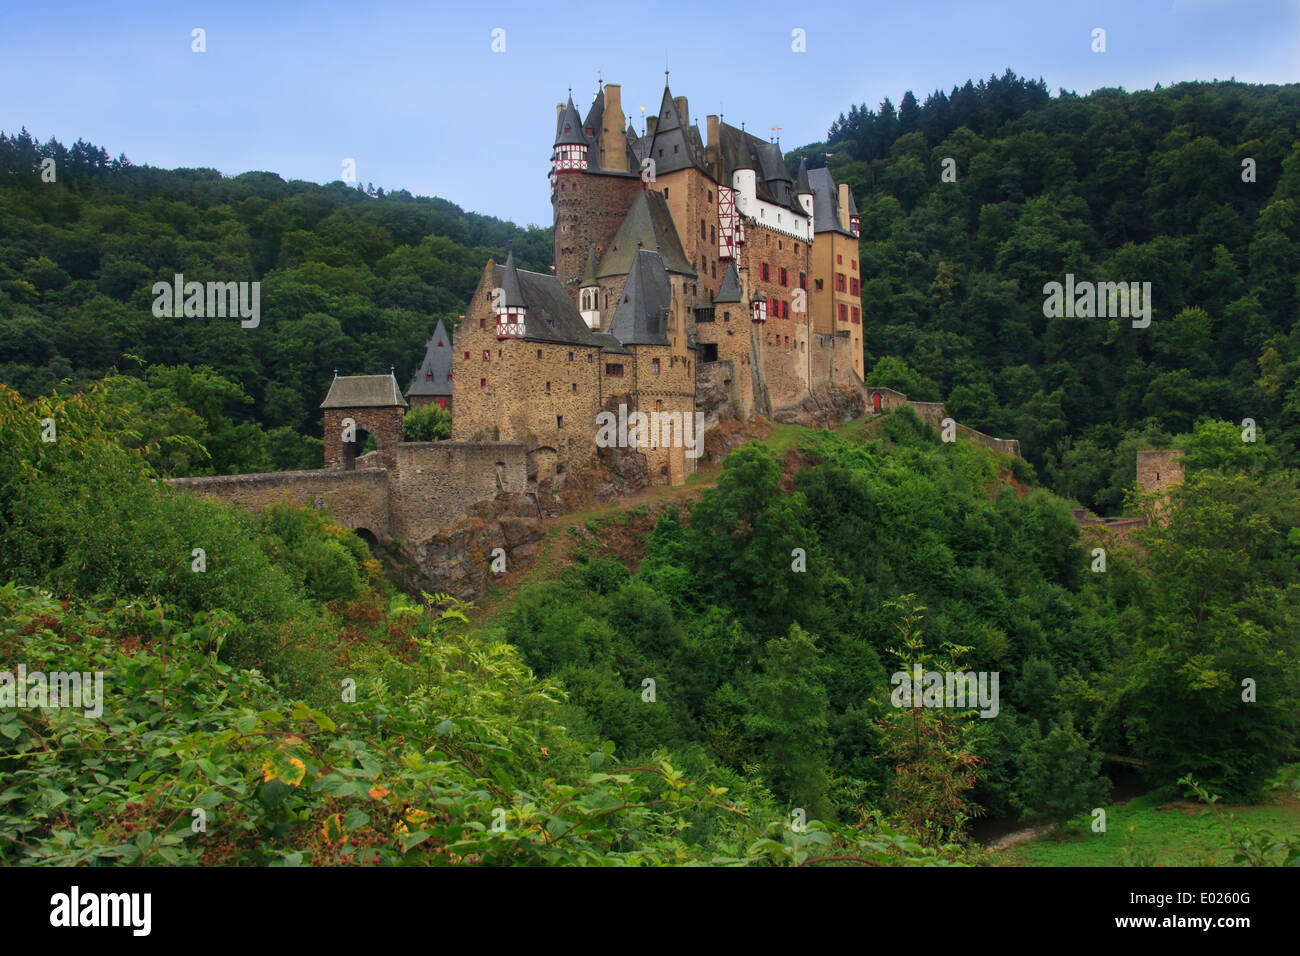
{"type": "Point", "coordinates": [371, 404]}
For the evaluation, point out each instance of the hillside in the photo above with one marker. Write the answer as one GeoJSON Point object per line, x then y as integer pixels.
{"type": "Point", "coordinates": [1146, 186]}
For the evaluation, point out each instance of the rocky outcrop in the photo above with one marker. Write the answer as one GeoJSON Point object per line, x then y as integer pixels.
{"type": "Point", "coordinates": [458, 560]}
{"type": "Point", "coordinates": [828, 406]}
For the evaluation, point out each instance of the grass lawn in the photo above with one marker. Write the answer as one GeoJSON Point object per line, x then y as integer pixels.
{"type": "Point", "coordinates": [1181, 834]}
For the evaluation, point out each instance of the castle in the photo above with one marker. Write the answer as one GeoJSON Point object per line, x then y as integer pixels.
{"type": "Point", "coordinates": [683, 267]}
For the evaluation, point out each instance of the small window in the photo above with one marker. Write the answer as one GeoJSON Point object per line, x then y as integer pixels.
{"type": "Point", "coordinates": [855, 264]}
{"type": "Point", "coordinates": [710, 192]}
{"type": "Point", "coordinates": [839, 260]}
{"type": "Point", "coordinates": [575, 388]}
{"type": "Point", "coordinates": [785, 280]}
{"type": "Point", "coordinates": [482, 383]}
{"type": "Point", "coordinates": [819, 285]}
{"type": "Point", "coordinates": [803, 280]}
{"type": "Point", "coordinates": [842, 312]}
{"type": "Point", "coordinates": [548, 388]}
{"type": "Point", "coordinates": [764, 272]}
{"type": "Point", "coordinates": [559, 421]}
{"type": "Point", "coordinates": [487, 355]}
{"type": "Point", "coordinates": [614, 370]}
{"type": "Point", "coordinates": [428, 376]}
{"type": "Point", "coordinates": [853, 285]}
{"type": "Point", "coordinates": [654, 366]}
{"type": "Point", "coordinates": [570, 356]}
{"type": "Point", "coordinates": [591, 357]}
{"type": "Point", "coordinates": [482, 324]}
{"type": "Point", "coordinates": [466, 356]}
{"type": "Point", "coordinates": [539, 353]}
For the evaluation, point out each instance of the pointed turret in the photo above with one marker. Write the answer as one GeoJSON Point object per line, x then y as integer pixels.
{"type": "Point", "coordinates": [729, 291]}
{"type": "Point", "coordinates": [589, 292]}
{"type": "Point", "coordinates": [571, 144]}
{"type": "Point", "coordinates": [803, 192]}
{"type": "Point", "coordinates": [508, 301]}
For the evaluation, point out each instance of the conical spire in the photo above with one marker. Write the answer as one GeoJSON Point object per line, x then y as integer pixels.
{"type": "Point", "coordinates": [512, 297]}
{"type": "Point", "coordinates": [730, 289]}
{"type": "Point", "coordinates": [801, 185]}
{"type": "Point", "coordinates": [569, 132]}
{"type": "Point", "coordinates": [589, 273]}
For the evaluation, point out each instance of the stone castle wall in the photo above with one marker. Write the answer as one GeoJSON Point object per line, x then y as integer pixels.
{"type": "Point", "coordinates": [357, 499]}
{"type": "Point", "coordinates": [433, 485]}
{"type": "Point", "coordinates": [437, 484]}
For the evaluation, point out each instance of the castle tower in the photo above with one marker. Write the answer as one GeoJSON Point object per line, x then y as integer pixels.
{"type": "Point", "coordinates": [592, 184]}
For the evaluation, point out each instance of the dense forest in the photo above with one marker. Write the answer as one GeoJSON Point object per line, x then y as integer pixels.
{"type": "Point", "coordinates": [1194, 188]}
{"type": "Point", "coordinates": [352, 280]}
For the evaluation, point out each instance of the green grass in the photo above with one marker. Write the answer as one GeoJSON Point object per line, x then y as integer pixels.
{"type": "Point", "coordinates": [1183, 835]}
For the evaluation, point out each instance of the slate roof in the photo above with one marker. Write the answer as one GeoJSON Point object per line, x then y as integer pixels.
{"type": "Point", "coordinates": [801, 184]}
{"type": "Point", "coordinates": [649, 226]}
{"type": "Point", "coordinates": [641, 317]}
{"type": "Point", "coordinates": [729, 291]}
{"type": "Point", "coordinates": [744, 150]}
{"type": "Point", "coordinates": [826, 202]}
{"type": "Point", "coordinates": [549, 313]}
{"type": "Point", "coordinates": [511, 296]}
{"type": "Point", "coordinates": [433, 377]}
{"type": "Point", "coordinates": [589, 273]}
{"type": "Point", "coordinates": [363, 391]}
{"type": "Point", "coordinates": [569, 130]}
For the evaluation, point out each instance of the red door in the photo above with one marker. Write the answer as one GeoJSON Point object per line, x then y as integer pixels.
{"type": "Point", "coordinates": [875, 400]}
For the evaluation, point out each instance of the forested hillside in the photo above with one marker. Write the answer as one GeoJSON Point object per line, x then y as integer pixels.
{"type": "Point", "coordinates": [351, 280]}
{"type": "Point", "coordinates": [1113, 186]}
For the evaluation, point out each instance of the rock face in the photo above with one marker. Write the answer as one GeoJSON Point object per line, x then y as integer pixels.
{"type": "Point", "coordinates": [458, 560]}
{"type": "Point", "coordinates": [828, 406]}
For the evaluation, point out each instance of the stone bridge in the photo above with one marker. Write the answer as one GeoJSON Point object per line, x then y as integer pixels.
{"type": "Point", "coordinates": [417, 489]}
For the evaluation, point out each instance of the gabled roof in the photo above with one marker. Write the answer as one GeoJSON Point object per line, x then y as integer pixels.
{"type": "Point", "coordinates": [550, 315]}
{"type": "Point", "coordinates": [569, 130]}
{"type": "Point", "coordinates": [433, 377]}
{"type": "Point", "coordinates": [826, 202]}
{"type": "Point", "coordinates": [729, 291]}
{"type": "Point", "coordinates": [363, 391]}
{"type": "Point", "coordinates": [649, 226]}
{"type": "Point", "coordinates": [641, 317]}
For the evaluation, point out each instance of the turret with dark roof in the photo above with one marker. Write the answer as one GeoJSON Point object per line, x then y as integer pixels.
{"type": "Point", "coordinates": [569, 130]}
{"type": "Point", "coordinates": [433, 377]}
{"type": "Point", "coordinates": [511, 295]}
{"type": "Point", "coordinates": [729, 291]}
{"type": "Point", "coordinates": [363, 391]}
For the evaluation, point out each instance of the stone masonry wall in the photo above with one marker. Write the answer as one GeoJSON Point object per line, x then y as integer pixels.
{"type": "Point", "coordinates": [437, 484]}
{"type": "Point", "coordinates": [357, 499]}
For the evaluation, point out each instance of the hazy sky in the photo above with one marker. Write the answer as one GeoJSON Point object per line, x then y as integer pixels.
{"type": "Point", "coordinates": [414, 93]}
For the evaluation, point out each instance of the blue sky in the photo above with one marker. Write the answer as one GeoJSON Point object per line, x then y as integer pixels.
{"type": "Point", "coordinates": [414, 94]}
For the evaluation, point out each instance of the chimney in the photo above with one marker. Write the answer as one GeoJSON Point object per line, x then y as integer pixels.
{"type": "Point", "coordinates": [713, 146]}
{"type": "Point", "coordinates": [651, 124]}
{"type": "Point", "coordinates": [559, 111]}
{"type": "Point", "coordinates": [613, 137]}
{"type": "Point", "coordinates": [844, 206]}
{"type": "Point", "coordinates": [682, 111]}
